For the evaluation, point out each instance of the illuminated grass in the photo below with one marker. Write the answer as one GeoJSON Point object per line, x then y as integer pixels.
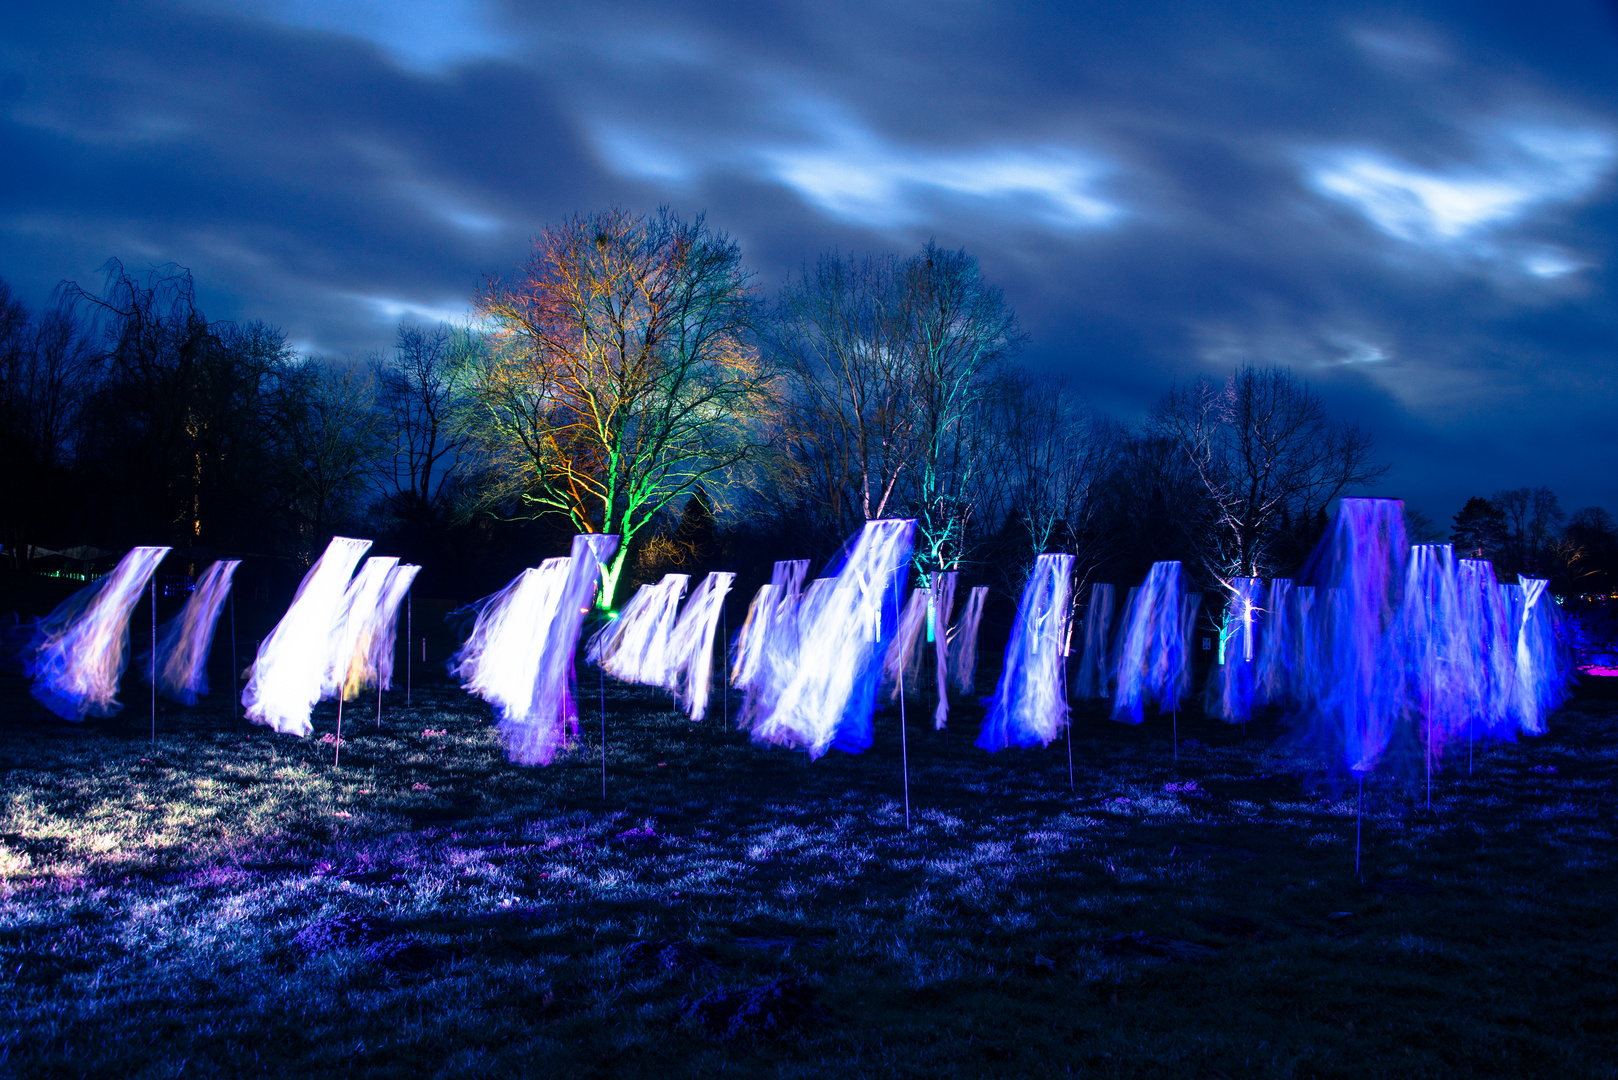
{"type": "Point", "coordinates": [149, 900]}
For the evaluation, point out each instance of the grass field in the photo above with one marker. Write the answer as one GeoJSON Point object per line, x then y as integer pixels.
{"type": "Point", "coordinates": [226, 902]}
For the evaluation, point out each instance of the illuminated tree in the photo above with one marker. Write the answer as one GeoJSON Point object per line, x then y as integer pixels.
{"type": "Point", "coordinates": [623, 373]}
{"type": "Point", "coordinates": [1265, 454]}
{"type": "Point", "coordinates": [888, 361]}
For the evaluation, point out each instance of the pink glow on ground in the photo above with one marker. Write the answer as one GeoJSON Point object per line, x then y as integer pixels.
{"type": "Point", "coordinates": [1597, 669]}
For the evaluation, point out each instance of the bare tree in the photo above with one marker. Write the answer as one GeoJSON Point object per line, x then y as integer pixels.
{"type": "Point", "coordinates": [959, 331]}
{"type": "Point", "coordinates": [1044, 477]}
{"type": "Point", "coordinates": [335, 444]}
{"type": "Point", "coordinates": [422, 394]}
{"type": "Point", "coordinates": [1532, 517]}
{"type": "Point", "coordinates": [624, 375]}
{"type": "Point", "coordinates": [49, 367]}
{"type": "Point", "coordinates": [186, 423]}
{"type": "Point", "coordinates": [838, 333]}
{"type": "Point", "coordinates": [888, 360]}
{"type": "Point", "coordinates": [1265, 454]}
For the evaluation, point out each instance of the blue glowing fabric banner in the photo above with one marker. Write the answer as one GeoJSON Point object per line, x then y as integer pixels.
{"type": "Point", "coordinates": [79, 651]}
{"type": "Point", "coordinates": [1029, 706]}
{"type": "Point", "coordinates": [183, 643]}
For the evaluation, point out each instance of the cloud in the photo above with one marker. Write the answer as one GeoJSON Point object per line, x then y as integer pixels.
{"type": "Point", "coordinates": [393, 309]}
{"type": "Point", "coordinates": [1528, 167]}
{"type": "Point", "coordinates": [422, 36]}
{"type": "Point", "coordinates": [1413, 210]}
{"type": "Point", "coordinates": [840, 166]}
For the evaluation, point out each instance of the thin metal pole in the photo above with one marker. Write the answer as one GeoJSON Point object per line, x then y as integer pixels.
{"type": "Point", "coordinates": [410, 634]}
{"type": "Point", "coordinates": [337, 747]}
{"type": "Point", "coordinates": [724, 658]}
{"type": "Point", "coordinates": [379, 701]}
{"type": "Point", "coordinates": [154, 657]}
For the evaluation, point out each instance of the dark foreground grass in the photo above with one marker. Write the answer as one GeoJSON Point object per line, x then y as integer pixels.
{"type": "Point", "coordinates": [166, 910]}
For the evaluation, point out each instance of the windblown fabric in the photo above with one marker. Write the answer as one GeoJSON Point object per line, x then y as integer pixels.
{"type": "Point", "coordinates": [499, 662]}
{"type": "Point", "coordinates": [1154, 646]}
{"type": "Point", "coordinates": [633, 646]}
{"type": "Point", "coordinates": [1029, 706]}
{"type": "Point", "coordinates": [290, 668]}
{"type": "Point", "coordinates": [78, 652]}
{"type": "Point", "coordinates": [769, 637]}
{"type": "Point", "coordinates": [1429, 672]}
{"type": "Point", "coordinates": [1233, 683]}
{"type": "Point", "coordinates": [1094, 677]}
{"type": "Point", "coordinates": [348, 668]}
{"type": "Point", "coordinates": [1357, 570]}
{"type": "Point", "coordinates": [845, 622]}
{"type": "Point", "coordinates": [902, 663]}
{"type": "Point", "coordinates": [689, 672]}
{"type": "Point", "coordinates": [1543, 661]}
{"type": "Point", "coordinates": [938, 616]}
{"type": "Point", "coordinates": [963, 641]}
{"type": "Point", "coordinates": [384, 632]}
{"type": "Point", "coordinates": [1273, 682]}
{"type": "Point", "coordinates": [1489, 657]}
{"type": "Point", "coordinates": [534, 737]}
{"type": "Point", "coordinates": [183, 643]}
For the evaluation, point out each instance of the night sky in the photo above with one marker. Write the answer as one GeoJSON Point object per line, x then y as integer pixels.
{"type": "Point", "coordinates": [1413, 206]}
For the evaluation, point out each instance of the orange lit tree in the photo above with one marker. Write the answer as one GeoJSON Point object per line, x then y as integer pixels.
{"type": "Point", "coordinates": [622, 374]}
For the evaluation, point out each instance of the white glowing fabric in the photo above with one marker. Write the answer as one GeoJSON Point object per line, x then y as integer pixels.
{"type": "Point", "coordinates": [938, 614]}
{"type": "Point", "coordinates": [633, 646]}
{"type": "Point", "coordinates": [690, 652]}
{"type": "Point", "coordinates": [500, 660]}
{"type": "Point", "coordinates": [1490, 656]}
{"type": "Point", "coordinates": [770, 634]}
{"type": "Point", "coordinates": [534, 737]}
{"type": "Point", "coordinates": [79, 650]}
{"type": "Point", "coordinates": [184, 641]}
{"type": "Point", "coordinates": [1094, 677]}
{"type": "Point", "coordinates": [384, 631]}
{"type": "Point", "coordinates": [348, 663]}
{"type": "Point", "coordinates": [1030, 703]}
{"type": "Point", "coordinates": [1544, 666]}
{"type": "Point", "coordinates": [902, 662]}
{"type": "Point", "coordinates": [963, 641]}
{"type": "Point", "coordinates": [826, 695]}
{"type": "Point", "coordinates": [291, 664]}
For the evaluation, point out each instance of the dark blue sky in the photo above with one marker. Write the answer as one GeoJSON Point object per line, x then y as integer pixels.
{"type": "Point", "coordinates": [1413, 206]}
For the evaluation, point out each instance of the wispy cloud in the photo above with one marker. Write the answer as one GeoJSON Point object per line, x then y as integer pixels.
{"type": "Point", "coordinates": [424, 36]}
{"type": "Point", "coordinates": [1525, 168]}
{"type": "Point", "coordinates": [850, 172]}
{"type": "Point", "coordinates": [392, 309]}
